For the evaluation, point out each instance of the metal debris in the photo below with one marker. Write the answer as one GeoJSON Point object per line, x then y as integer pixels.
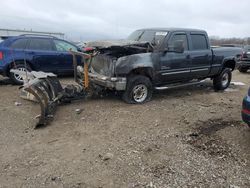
{"type": "Point", "coordinates": [18, 103]}
{"type": "Point", "coordinates": [238, 83]}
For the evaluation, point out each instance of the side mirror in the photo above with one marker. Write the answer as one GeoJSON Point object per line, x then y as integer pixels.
{"type": "Point", "coordinates": [178, 46]}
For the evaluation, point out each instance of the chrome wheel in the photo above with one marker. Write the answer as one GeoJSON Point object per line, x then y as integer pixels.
{"type": "Point", "coordinates": [225, 79]}
{"type": "Point", "coordinates": [140, 93]}
{"type": "Point", "coordinates": [17, 76]}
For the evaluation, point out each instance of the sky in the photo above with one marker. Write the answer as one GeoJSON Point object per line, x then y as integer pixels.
{"type": "Point", "coordinates": [115, 19]}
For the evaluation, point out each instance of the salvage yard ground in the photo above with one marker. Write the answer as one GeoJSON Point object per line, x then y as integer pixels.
{"type": "Point", "coordinates": [184, 137]}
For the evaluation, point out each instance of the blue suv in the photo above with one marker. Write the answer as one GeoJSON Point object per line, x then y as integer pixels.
{"type": "Point", "coordinates": [39, 53]}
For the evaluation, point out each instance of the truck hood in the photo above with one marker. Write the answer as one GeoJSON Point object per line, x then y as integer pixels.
{"type": "Point", "coordinates": [111, 51]}
{"type": "Point", "coordinates": [113, 43]}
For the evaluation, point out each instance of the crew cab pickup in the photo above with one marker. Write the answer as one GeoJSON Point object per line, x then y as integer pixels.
{"type": "Point", "coordinates": [159, 58]}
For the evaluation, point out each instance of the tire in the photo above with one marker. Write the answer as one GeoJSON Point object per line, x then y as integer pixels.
{"type": "Point", "coordinates": [139, 90]}
{"type": "Point", "coordinates": [222, 81]}
{"type": "Point", "coordinates": [16, 79]}
{"type": "Point", "coordinates": [243, 70]}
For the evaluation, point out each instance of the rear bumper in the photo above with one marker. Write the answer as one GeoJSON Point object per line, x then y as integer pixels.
{"type": "Point", "coordinates": [117, 83]}
{"type": "Point", "coordinates": [245, 113]}
{"type": "Point", "coordinates": [245, 118]}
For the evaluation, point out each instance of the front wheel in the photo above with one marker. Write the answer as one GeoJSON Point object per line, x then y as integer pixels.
{"type": "Point", "coordinates": [223, 80]}
{"type": "Point", "coordinates": [139, 90]}
{"type": "Point", "coordinates": [17, 79]}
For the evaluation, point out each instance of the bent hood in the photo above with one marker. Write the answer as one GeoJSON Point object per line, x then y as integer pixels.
{"type": "Point", "coordinates": [113, 43]}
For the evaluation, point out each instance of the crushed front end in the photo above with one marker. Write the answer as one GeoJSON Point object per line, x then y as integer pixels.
{"type": "Point", "coordinates": [102, 68]}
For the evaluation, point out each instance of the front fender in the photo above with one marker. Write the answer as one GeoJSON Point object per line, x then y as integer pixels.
{"type": "Point", "coordinates": [125, 64]}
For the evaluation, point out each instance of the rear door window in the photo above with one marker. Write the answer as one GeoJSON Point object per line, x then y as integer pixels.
{"type": "Point", "coordinates": [199, 42]}
{"type": "Point", "coordinates": [63, 46]}
{"type": "Point", "coordinates": [19, 44]}
{"type": "Point", "coordinates": [40, 44]}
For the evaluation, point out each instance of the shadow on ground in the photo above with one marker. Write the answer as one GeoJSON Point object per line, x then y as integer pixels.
{"type": "Point", "coordinates": [5, 81]}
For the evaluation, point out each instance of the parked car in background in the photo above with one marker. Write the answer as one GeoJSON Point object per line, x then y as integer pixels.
{"type": "Point", "coordinates": [244, 63]}
{"type": "Point", "coordinates": [245, 113]}
{"type": "Point", "coordinates": [38, 52]}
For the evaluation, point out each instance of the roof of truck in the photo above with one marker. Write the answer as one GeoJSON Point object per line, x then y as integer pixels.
{"type": "Point", "coordinates": [173, 29]}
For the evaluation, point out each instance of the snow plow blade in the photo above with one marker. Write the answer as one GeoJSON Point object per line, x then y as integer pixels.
{"type": "Point", "coordinates": [46, 95]}
{"type": "Point", "coordinates": [43, 88]}
{"type": "Point", "coordinates": [46, 89]}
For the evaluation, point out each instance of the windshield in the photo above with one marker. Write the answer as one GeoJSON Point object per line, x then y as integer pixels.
{"type": "Point", "coordinates": [154, 37]}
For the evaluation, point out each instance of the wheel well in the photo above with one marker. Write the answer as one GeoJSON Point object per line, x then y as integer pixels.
{"type": "Point", "coordinates": [230, 64]}
{"type": "Point", "coordinates": [143, 71]}
{"type": "Point", "coordinates": [12, 64]}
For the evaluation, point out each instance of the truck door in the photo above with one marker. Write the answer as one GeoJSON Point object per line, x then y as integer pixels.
{"type": "Point", "coordinates": [175, 66]}
{"type": "Point", "coordinates": [201, 55]}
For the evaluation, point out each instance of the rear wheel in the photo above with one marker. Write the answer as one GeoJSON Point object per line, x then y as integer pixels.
{"type": "Point", "coordinates": [17, 79]}
{"type": "Point", "coordinates": [223, 80]}
{"type": "Point", "coordinates": [139, 90]}
{"type": "Point", "coordinates": [241, 69]}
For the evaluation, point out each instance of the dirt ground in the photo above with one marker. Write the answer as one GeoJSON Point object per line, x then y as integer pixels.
{"type": "Point", "coordinates": [188, 137]}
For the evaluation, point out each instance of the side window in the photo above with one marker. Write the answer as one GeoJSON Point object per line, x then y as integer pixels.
{"type": "Point", "coordinates": [19, 44]}
{"type": "Point", "coordinates": [64, 46]}
{"type": "Point", "coordinates": [177, 37]}
{"type": "Point", "coordinates": [40, 44]}
{"type": "Point", "coordinates": [199, 42]}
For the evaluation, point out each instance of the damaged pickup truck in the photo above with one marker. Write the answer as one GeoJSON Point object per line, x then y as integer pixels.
{"type": "Point", "coordinates": [159, 59]}
{"type": "Point", "coordinates": [150, 59]}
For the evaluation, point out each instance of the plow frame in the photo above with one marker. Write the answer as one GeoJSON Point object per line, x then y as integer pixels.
{"type": "Point", "coordinates": [46, 89]}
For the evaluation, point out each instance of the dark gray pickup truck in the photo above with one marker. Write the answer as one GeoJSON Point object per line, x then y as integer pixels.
{"type": "Point", "coordinates": [159, 58]}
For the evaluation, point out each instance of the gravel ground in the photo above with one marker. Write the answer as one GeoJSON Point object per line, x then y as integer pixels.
{"type": "Point", "coordinates": [188, 137]}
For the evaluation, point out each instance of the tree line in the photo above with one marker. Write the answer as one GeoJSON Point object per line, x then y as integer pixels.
{"type": "Point", "coordinates": [217, 41]}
